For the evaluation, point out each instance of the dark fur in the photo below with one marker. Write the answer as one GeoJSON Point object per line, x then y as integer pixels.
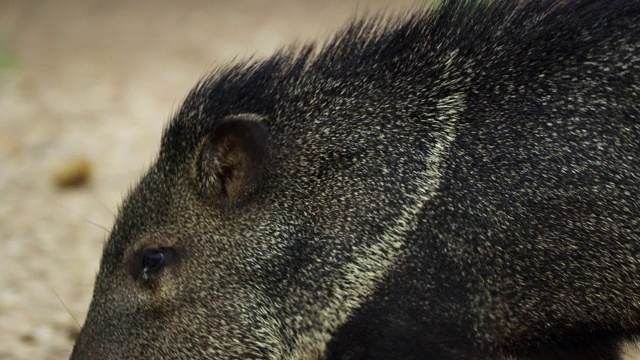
{"type": "Point", "coordinates": [461, 184]}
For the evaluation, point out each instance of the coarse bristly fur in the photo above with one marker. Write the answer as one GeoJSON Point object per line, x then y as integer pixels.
{"type": "Point", "coordinates": [460, 183]}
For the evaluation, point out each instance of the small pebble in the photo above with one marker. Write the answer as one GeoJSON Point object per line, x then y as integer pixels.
{"type": "Point", "coordinates": [72, 172]}
{"type": "Point", "coordinates": [28, 338]}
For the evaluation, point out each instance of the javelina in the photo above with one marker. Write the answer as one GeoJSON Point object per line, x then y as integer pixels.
{"type": "Point", "coordinates": [460, 183]}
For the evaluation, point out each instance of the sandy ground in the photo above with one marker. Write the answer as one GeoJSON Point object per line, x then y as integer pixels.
{"type": "Point", "coordinates": [98, 79]}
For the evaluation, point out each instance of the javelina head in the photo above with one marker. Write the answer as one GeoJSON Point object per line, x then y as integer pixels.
{"type": "Point", "coordinates": [255, 236]}
{"type": "Point", "coordinates": [231, 246]}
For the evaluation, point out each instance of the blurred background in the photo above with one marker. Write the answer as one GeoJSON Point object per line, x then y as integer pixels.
{"type": "Point", "coordinates": [85, 89]}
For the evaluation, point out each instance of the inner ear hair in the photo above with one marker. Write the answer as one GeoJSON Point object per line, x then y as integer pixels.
{"type": "Point", "coordinates": [232, 158]}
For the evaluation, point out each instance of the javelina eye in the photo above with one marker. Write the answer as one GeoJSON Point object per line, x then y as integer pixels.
{"type": "Point", "coordinates": [153, 260]}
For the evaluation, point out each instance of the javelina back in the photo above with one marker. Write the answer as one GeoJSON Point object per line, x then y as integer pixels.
{"type": "Point", "coordinates": [461, 183]}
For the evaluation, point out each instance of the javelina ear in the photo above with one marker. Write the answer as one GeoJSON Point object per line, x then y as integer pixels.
{"type": "Point", "coordinates": [231, 161]}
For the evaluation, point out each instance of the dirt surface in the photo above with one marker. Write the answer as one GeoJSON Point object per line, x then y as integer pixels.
{"type": "Point", "coordinates": [93, 82]}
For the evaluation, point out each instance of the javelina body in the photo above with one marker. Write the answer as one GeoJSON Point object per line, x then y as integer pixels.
{"type": "Point", "coordinates": [463, 183]}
